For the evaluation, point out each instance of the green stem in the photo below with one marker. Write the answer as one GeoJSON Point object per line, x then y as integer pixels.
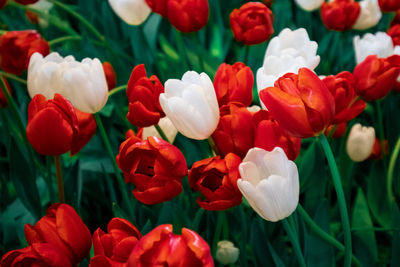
{"type": "Point", "coordinates": [79, 17]}
{"type": "Point", "coordinates": [392, 165]}
{"type": "Point", "coordinates": [341, 199]}
{"type": "Point", "coordinates": [161, 132]}
{"type": "Point", "coordinates": [49, 178]}
{"type": "Point", "coordinates": [60, 182]}
{"type": "Point", "coordinates": [13, 77]}
{"type": "Point", "coordinates": [218, 230]}
{"type": "Point", "coordinates": [181, 48]}
{"type": "Point", "coordinates": [65, 38]}
{"type": "Point", "coordinates": [117, 90]}
{"type": "Point", "coordinates": [213, 146]}
{"type": "Point", "coordinates": [295, 243]}
{"type": "Point", "coordinates": [381, 132]}
{"type": "Point", "coordinates": [120, 179]}
{"type": "Point", "coordinates": [322, 234]}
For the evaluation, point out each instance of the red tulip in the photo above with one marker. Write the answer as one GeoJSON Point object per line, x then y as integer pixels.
{"type": "Point", "coordinates": [26, 2]}
{"type": "Point", "coordinates": [154, 166]}
{"type": "Point", "coordinates": [215, 179]}
{"type": "Point", "coordinates": [340, 15]}
{"type": "Point", "coordinates": [235, 130]}
{"type": "Point", "coordinates": [161, 247]}
{"type": "Point", "coordinates": [17, 47]}
{"type": "Point", "coordinates": [375, 77]}
{"type": "Point", "coordinates": [269, 135]}
{"type": "Point", "coordinates": [63, 229]}
{"type": "Point", "coordinates": [234, 83]}
{"type": "Point", "coordinates": [396, 19]}
{"type": "Point", "coordinates": [376, 153]}
{"type": "Point", "coordinates": [188, 15]}
{"type": "Point", "coordinates": [252, 23]}
{"type": "Point", "coordinates": [339, 130]}
{"type": "Point", "coordinates": [87, 128]}
{"type": "Point", "coordinates": [347, 104]}
{"type": "Point", "coordinates": [394, 32]}
{"type": "Point", "coordinates": [114, 248]}
{"type": "Point", "coordinates": [159, 6]}
{"type": "Point", "coordinates": [143, 94]}
{"type": "Point", "coordinates": [110, 75]}
{"type": "Point", "coordinates": [2, 3]}
{"type": "Point", "coordinates": [302, 104]}
{"type": "Point", "coordinates": [389, 5]}
{"type": "Point", "coordinates": [38, 254]}
{"type": "Point", "coordinates": [3, 99]}
{"type": "Point", "coordinates": [51, 125]}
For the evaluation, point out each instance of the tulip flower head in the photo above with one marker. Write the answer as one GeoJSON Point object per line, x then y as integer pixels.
{"type": "Point", "coordinates": [309, 5]}
{"type": "Point", "coordinates": [370, 15]}
{"type": "Point", "coordinates": [188, 15]}
{"type": "Point", "coordinates": [379, 44]}
{"type": "Point", "coordinates": [111, 78]}
{"type": "Point", "coordinates": [287, 52]}
{"type": "Point", "coordinates": [114, 247]}
{"type": "Point", "coordinates": [191, 105]}
{"type": "Point", "coordinates": [252, 23]}
{"type": "Point", "coordinates": [166, 126]}
{"type": "Point", "coordinates": [270, 183]}
{"type": "Point", "coordinates": [302, 104]}
{"type": "Point", "coordinates": [340, 15]}
{"type": "Point", "coordinates": [83, 83]}
{"type": "Point", "coordinates": [389, 5]}
{"type": "Point", "coordinates": [360, 142]}
{"type": "Point", "coordinates": [161, 247]}
{"type": "Point", "coordinates": [17, 47]}
{"type": "Point", "coordinates": [216, 180]}
{"type": "Point", "coordinates": [133, 12]}
{"type": "Point", "coordinates": [394, 33]}
{"type": "Point", "coordinates": [227, 253]}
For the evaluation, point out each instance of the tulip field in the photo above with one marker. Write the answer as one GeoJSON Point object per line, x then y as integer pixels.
{"type": "Point", "coordinates": [190, 133]}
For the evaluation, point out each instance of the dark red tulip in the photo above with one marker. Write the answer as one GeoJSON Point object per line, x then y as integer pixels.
{"type": "Point", "coordinates": [302, 104]}
{"type": "Point", "coordinates": [52, 125]}
{"type": "Point", "coordinates": [26, 2]}
{"type": "Point", "coordinates": [216, 179]}
{"type": "Point", "coordinates": [340, 15]}
{"type": "Point", "coordinates": [87, 129]}
{"type": "Point", "coordinates": [389, 5]}
{"type": "Point", "coordinates": [113, 248]}
{"type": "Point", "coordinates": [252, 23]}
{"type": "Point", "coordinates": [110, 75]}
{"type": "Point", "coordinates": [188, 15]}
{"type": "Point", "coordinates": [396, 19]}
{"type": "Point", "coordinates": [234, 83]}
{"type": "Point", "coordinates": [394, 32]}
{"type": "Point", "coordinates": [375, 77]}
{"type": "Point", "coordinates": [161, 247]}
{"type": "Point", "coordinates": [17, 47]}
{"type": "Point", "coordinates": [154, 166]}
{"type": "Point", "coordinates": [63, 229]}
{"type": "Point", "coordinates": [2, 3]}
{"type": "Point", "coordinates": [347, 104]}
{"type": "Point", "coordinates": [159, 6]}
{"type": "Point", "coordinates": [143, 94]}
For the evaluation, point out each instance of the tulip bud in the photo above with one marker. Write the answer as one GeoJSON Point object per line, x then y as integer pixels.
{"type": "Point", "coordinates": [17, 47]}
{"type": "Point", "coordinates": [83, 83]}
{"type": "Point", "coordinates": [270, 183]}
{"type": "Point", "coordinates": [252, 23]}
{"type": "Point", "coordinates": [191, 105]}
{"type": "Point", "coordinates": [360, 142]}
{"type": "Point", "coordinates": [340, 15]}
{"type": "Point", "coordinates": [44, 7]}
{"type": "Point", "coordinates": [309, 5]}
{"type": "Point", "coordinates": [133, 12]}
{"type": "Point", "coordinates": [227, 253]}
{"type": "Point", "coordinates": [369, 16]}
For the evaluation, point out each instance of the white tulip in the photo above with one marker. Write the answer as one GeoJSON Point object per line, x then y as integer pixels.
{"type": "Point", "coordinates": [165, 125]}
{"type": "Point", "coordinates": [133, 12]}
{"type": "Point", "coordinates": [379, 44]}
{"type": "Point", "coordinates": [270, 183]}
{"type": "Point", "coordinates": [191, 105]}
{"type": "Point", "coordinates": [287, 52]}
{"type": "Point", "coordinates": [360, 142]}
{"type": "Point", "coordinates": [227, 253]}
{"type": "Point", "coordinates": [309, 5]}
{"type": "Point", "coordinates": [83, 83]}
{"type": "Point", "coordinates": [369, 16]}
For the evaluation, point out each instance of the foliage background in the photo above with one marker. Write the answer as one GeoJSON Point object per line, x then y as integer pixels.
{"type": "Point", "coordinates": [27, 189]}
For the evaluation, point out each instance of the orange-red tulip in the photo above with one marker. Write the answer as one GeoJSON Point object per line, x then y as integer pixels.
{"type": "Point", "coordinates": [340, 15]}
{"type": "Point", "coordinates": [375, 77]}
{"type": "Point", "coordinates": [252, 23]}
{"type": "Point", "coordinates": [154, 166]}
{"type": "Point", "coordinates": [143, 94]}
{"type": "Point", "coordinates": [63, 229]}
{"type": "Point", "coordinates": [234, 83]}
{"type": "Point", "coordinates": [110, 75]}
{"type": "Point", "coordinates": [216, 179]}
{"type": "Point", "coordinates": [302, 104]}
{"type": "Point", "coordinates": [389, 5]}
{"type": "Point", "coordinates": [113, 248]}
{"type": "Point", "coordinates": [17, 47]}
{"type": "Point", "coordinates": [51, 125]}
{"type": "Point", "coordinates": [161, 247]}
